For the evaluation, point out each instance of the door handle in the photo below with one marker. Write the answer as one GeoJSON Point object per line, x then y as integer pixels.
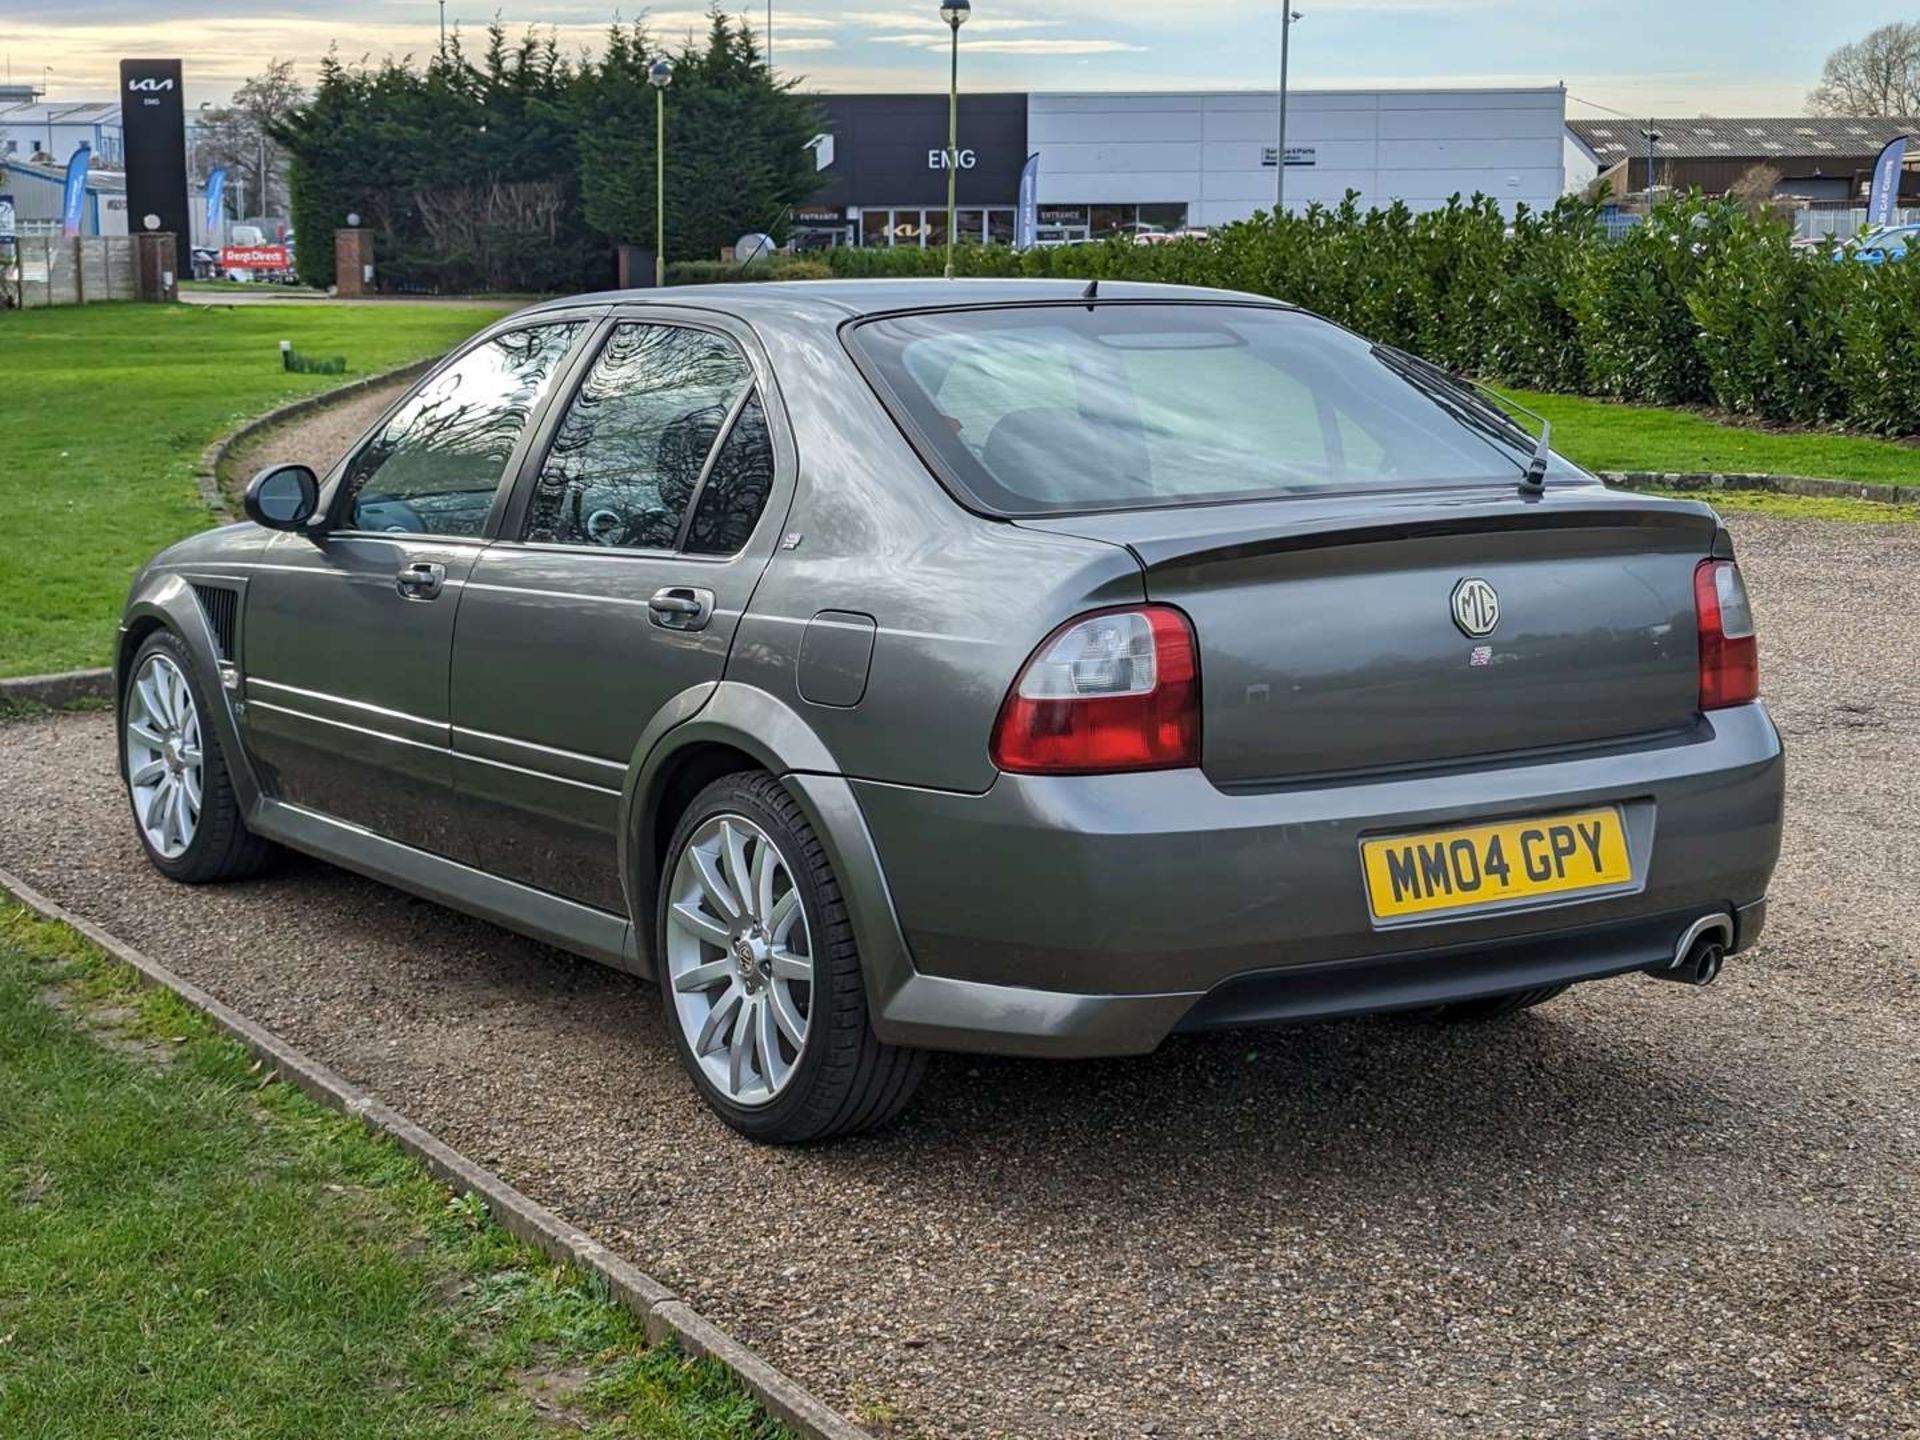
{"type": "Point", "coordinates": [681, 607]}
{"type": "Point", "coordinates": [423, 580]}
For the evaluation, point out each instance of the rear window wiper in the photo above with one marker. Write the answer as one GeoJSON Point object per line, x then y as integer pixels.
{"type": "Point", "coordinates": [1479, 407]}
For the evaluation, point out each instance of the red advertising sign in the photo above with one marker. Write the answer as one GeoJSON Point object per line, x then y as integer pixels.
{"type": "Point", "coordinates": [254, 257]}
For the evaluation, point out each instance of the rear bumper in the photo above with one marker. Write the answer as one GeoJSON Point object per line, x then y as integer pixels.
{"type": "Point", "coordinates": [1097, 915]}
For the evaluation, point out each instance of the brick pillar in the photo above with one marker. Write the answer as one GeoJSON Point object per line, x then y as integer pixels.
{"type": "Point", "coordinates": [353, 263]}
{"type": "Point", "coordinates": [154, 275]}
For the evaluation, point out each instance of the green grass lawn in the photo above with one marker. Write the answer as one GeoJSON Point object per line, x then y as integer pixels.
{"type": "Point", "coordinates": [189, 1252]}
{"type": "Point", "coordinates": [1601, 435]}
{"type": "Point", "coordinates": [103, 413]}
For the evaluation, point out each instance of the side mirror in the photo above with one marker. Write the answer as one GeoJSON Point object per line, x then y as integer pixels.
{"type": "Point", "coordinates": [283, 497]}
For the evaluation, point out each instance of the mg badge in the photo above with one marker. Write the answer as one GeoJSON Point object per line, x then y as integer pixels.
{"type": "Point", "coordinates": [1476, 607]}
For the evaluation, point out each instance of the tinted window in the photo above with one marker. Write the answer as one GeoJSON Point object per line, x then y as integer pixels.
{"type": "Point", "coordinates": [1061, 408]}
{"type": "Point", "coordinates": [736, 489]}
{"type": "Point", "coordinates": [434, 467]}
{"type": "Point", "coordinates": [626, 458]}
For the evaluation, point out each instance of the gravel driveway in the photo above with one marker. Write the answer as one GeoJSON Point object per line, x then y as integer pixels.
{"type": "Point", "coordinates": [1641, 1210]}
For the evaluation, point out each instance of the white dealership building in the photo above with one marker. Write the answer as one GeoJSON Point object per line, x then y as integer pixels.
{"type": "Point", "coordinates": [1115, 162]}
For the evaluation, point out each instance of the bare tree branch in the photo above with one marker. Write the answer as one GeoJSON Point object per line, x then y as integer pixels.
{"type": "Point", "coordinates": [1877, 76]}
{"type": "Point", "coordinates": [239, 136]}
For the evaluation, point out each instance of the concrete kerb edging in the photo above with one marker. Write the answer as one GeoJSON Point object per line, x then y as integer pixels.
{"type": "Point", "coordinates": [207, 474]}
{"type": "Point", "coordinates": [53, 691]}
{"type": "Point", "coordinates": [1770, 484]}
{"type": "Point", "coordinates": [663, 1313]}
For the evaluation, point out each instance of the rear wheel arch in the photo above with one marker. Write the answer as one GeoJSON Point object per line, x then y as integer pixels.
{"type": "Point", "coordinates": [672, 787]}
{"type": "Point", "coordinates": [701, 735]}
{"type": "Point", "coordinates": [738, 729]}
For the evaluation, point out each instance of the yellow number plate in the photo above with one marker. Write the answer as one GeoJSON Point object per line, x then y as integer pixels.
{"type": "Point", "coordinates": [1490, 864]}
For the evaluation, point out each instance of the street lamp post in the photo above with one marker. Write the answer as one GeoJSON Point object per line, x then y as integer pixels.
{"type": "Point", "coordinates": [955, 13]}
{"type": "Point", "coordinates": [1653, 139]}
{"type": "Point", "coordinates": [1287, 16]}
{"type": "Point", "coordinates": [660, 75]}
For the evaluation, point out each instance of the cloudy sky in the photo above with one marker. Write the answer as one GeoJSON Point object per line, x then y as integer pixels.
{"type": "Point", "coordinates": [1670, 57]}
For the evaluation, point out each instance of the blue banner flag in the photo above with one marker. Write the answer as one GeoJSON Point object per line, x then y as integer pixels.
{"type": "Point", "coordinates": [216, 198]}
{"type": "Point", "coordinates": [1026, 225]}
{"type": "Point", "coordinates": [1885, 195]}
{"type": "Point", "coordinates": [76, 197]}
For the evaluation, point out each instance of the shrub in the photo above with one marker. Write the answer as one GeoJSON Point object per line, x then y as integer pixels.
{"type": "Point", "coordinates": [1639, 335]}
{"type": "Point", "coordinates": [1877, 367]}
{"type": "Point", "coordinates": [1769, 321]}
{"type": "Point", "coordinates": [729, 272]}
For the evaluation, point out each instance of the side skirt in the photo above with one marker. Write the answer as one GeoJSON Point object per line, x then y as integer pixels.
{"type": "Point", "coordinates": [577, 928]}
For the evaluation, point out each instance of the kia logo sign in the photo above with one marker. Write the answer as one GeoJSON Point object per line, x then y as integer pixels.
{"type": "Point", "coordinates": [937, 159]}
{"type": "Point", "coordinates": [150, 85]}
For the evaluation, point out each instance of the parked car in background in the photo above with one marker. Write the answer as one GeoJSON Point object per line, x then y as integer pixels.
{"type": "Point", "coordinates": [1890, 243]}
{"type": "Point", "coordinates": [1006, 666]}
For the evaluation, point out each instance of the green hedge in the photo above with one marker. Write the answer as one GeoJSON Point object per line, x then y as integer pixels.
{"type": "Point", "coordinates": [721, 272]}
{"type": "Point", "coordinates": [1703, 304]}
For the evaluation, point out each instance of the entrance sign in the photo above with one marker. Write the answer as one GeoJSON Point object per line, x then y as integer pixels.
{"type": "Point", "coordinates": [1297, 156]}
{"type": "Point", "coordinates": [153, 120]}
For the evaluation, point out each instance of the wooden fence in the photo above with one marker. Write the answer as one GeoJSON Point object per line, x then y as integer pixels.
{"type": "Point", "coordinates": [42, 270]}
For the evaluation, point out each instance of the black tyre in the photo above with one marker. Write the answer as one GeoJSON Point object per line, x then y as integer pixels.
{"type": "Point", "coordinates": [184, 809]}
{"type": "Point", "coordinates": [1491, 1007]}
{"type": "Point", "coordinates": [760, 976]}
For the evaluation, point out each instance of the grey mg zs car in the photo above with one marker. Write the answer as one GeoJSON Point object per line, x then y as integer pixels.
{"type": "Point", "coordinates": [894, 667]}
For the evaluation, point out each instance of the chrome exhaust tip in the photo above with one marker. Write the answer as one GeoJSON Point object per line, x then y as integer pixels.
{"type": "Point", "coordinates": [1700, 953]}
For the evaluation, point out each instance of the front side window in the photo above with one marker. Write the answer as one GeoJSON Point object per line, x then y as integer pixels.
{"type": "Point", "coordinates": [434, 467]}
{"type": "Point", "coordinates": [1051, 409]}
{"type": "Point", "coordinates": [634, 443]}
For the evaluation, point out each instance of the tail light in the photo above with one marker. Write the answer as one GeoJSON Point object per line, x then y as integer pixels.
{"type": "Point", "coordinates": [1105, 693]}
{"type": "Point", "coordinates": [1729, 652]}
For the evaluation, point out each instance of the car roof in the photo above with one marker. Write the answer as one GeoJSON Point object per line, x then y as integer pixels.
{"type": "Point", "coordinates": [835, 301]}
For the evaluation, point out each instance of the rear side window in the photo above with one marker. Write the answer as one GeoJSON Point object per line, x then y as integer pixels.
{"type": "Point", "coordinates": [1047, 409]}
{"type": "Point", "coordinates": [628, 456]}
{"type": "Point", "coordinates": [737, 486]}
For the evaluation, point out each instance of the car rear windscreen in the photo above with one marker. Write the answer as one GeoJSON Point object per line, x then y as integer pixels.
{"type": "Point", "coordinates": [1058, 408]}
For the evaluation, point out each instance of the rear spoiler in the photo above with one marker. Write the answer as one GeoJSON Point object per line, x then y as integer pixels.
{"type": "Point", "coordinates": [1223, 533]}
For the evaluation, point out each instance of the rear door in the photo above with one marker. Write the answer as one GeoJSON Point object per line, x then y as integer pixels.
{"type": "Point", "coordinates": [634, 542]}
{"type": "Point", "coordinates": [348, 638]}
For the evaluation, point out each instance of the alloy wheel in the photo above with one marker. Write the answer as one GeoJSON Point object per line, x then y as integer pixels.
{"type": "Point", "coordinates": [739, 959]}
{"type": "Point", "coordinates": [165, 767]}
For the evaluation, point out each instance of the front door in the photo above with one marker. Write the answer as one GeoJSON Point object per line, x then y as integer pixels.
{"type": "Point", "coordinates": [348, 638]}
{"type": "Point", "coordinates": [627, 559]}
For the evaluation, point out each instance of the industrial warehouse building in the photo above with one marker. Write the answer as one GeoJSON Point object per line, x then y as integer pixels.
{"type": "Point", "coordinates": [1815, 159]}
{"type": "Point", "coordinates": [38, 193]}
{"type": "Point", "coordinates": [1119, 163]}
